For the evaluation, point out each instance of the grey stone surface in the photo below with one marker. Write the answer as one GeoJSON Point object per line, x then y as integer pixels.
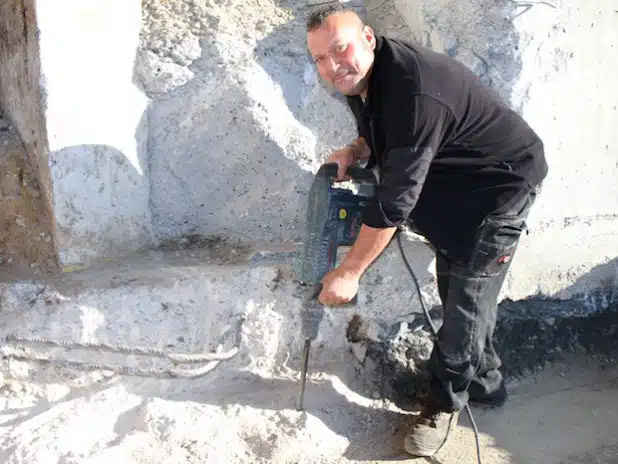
{"type": "Point", "coordinates": [604, 455]}
{"type": "Point", "coordinates": [232, 148]}
{"type": "Point", "coordinates": [207, 120]}
{"type": "Point", "coordinates": [97, 126]}
{"type": "Point", "coordinates": [189, 301]}
{"type": "Point", "coordinates": [479, 33]}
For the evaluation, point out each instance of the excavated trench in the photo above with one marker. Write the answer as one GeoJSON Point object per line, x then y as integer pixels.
{"type": "Point", "coordinates": [529, 334]}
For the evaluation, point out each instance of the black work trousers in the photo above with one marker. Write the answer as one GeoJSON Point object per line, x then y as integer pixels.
{"type": "Point", "coordinates": [463, 362]}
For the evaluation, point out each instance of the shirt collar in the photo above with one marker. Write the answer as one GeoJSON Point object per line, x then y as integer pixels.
{"type": "Point", "coordinates": [373, 84]}
{"type": "Point", "coordinates": [370, 103]}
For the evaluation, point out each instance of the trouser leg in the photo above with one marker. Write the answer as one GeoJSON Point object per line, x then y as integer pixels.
{"type": "Point", "coordinates": [464, 352]}
{"type": "Point", "coordinates": [443, 274]}
{"type": "Point", "coordinates": [470, 308]}
{"type": "Point", "coordinates": [486, 385]}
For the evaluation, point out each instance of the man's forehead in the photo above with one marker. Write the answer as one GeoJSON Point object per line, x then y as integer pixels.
{"type": "Point", "coordinates": [345, 19]}
{"type": "Point", "coordinates": [337, 27]}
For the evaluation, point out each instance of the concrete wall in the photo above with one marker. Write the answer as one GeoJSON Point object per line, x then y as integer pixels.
{"type": "Point", "coordinates": [168, 119]}
{"type": "Point", "coordinates": [27, 239]}
{"type": "Point", "coordinates": [565, 90]}
{"type": "Point", "coordinates": [97, 125]}
{"type": "Point", "coordinates": [239, 118]}
{"type": "Point", "coordinates": [550, 63]}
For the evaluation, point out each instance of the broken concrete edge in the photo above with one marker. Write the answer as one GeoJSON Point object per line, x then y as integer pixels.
{"type": "Point", "coordinates": [530, 334]}
{"type": "Point", "coordinates": [27, 247]}
{"type": "Point", "coordinates": [534, 331]}
{"type": "Point", "coordinates": [22, 99]}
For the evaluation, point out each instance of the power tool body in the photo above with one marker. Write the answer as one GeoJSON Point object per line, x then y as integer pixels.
{"type": "Point", "coordinates": [334, 219]}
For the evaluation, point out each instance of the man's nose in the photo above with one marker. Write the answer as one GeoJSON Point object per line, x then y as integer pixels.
{"type": "Point", "coordinates": [332, 65]}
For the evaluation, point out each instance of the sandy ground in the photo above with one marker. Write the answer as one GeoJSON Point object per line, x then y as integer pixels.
{"type": "Point", "coordinates": [567, 414]}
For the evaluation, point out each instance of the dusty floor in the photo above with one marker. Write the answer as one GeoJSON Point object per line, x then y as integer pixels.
{"type": "Point", "coordinates": [567, 414]}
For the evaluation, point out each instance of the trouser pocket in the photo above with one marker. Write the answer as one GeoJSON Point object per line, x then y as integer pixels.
{"type": "Point", "coordinates": [496, 245]}
{"type": "Point", "coordinates": [498, 236]}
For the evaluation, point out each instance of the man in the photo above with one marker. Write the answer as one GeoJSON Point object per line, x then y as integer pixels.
{"type": "Point", "coordinates": [459, 166]}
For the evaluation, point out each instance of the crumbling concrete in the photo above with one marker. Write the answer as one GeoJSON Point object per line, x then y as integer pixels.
{"type": "Point", "coordinates": [244, 410]}
{"type": "Point", "coordinates": [26, 240]}
{"type": "Point", "coordinates": [28, 232]}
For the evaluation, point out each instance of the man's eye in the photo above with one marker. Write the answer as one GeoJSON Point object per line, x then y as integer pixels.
{"type": "Point", "coordinates": [341, 47]}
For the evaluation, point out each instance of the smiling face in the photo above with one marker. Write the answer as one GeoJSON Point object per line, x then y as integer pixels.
{"type": "Point", "coordinates": [342, 48]}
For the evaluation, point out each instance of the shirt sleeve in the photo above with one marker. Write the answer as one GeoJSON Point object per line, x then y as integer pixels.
{"type": "Point", "coordinates": [413, 136]}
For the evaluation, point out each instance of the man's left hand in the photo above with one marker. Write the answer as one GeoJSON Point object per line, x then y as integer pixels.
{"type": "Point", "coordinates": [339, 287]}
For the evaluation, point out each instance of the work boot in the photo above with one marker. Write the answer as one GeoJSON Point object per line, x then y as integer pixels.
{"type": "Point", "coordinates": [430, 431]}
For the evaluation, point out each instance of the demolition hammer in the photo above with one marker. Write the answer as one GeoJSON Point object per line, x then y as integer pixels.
{"type": "Point", "coordinates": [334, 218]}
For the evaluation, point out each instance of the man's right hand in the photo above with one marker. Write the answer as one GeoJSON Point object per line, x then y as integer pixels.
{"type": "Point", "coordinates": [347, 156]}
{"type": "Point", "coordinates": [344, 158]}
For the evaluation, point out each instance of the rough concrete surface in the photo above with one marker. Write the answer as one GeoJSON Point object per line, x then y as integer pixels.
{"type": "Point", "coordinates": [534, 55]}
{"type": "Point", "coordinates": [243, 411]}
{"type": "Point", "coordinates": [206, 119]}
{"type": "Point", "coordinates": [531, 54]}
{"type": "Point", "coordinates": [26, 238]}
{"type": "Point", "coordinates": [97, 127]}
{"type": "Point", "coordinates": [194, 128]}
{"type": "Point", "coordinates": [496, 39]}
{"type": "Point", "coordinates": [238, 120]}
{"type": "Point", "coordinates": [21, 103]}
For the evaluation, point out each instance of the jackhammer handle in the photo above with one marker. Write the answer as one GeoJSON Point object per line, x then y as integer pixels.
{"type": "Point", "coordinates": [357, 173]}
{"type": "Point", "coordinates": [317, 289]}
{"type": "Point", "coordinates": [315, 293]}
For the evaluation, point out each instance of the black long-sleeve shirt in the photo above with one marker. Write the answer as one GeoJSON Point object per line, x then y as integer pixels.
{"type": "Point", "coordinates": [449, 152]}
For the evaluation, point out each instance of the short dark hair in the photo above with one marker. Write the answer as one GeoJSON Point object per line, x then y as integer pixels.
{"type": "Point", "coordinates": [319, 15]}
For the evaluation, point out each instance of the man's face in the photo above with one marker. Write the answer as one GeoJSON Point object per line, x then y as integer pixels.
{"type": "Point", "coordinates": [343, 52]}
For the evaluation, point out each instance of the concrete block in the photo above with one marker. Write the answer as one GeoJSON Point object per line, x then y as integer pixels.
{"type": "Point", "coordinates": [97, 125]}
{"type": "Point", "coordinates": [28, 232]}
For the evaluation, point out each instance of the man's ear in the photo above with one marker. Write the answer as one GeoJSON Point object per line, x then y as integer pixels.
{"type": "Point", "coordinates": [369, 36]}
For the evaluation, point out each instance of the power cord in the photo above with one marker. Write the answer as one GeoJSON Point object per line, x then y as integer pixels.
{"type": "Point", "coordinates": [434, 331]}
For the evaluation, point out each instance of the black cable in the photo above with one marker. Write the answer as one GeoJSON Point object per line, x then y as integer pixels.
{"type": "Point", "coordinates": [434, 331]}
